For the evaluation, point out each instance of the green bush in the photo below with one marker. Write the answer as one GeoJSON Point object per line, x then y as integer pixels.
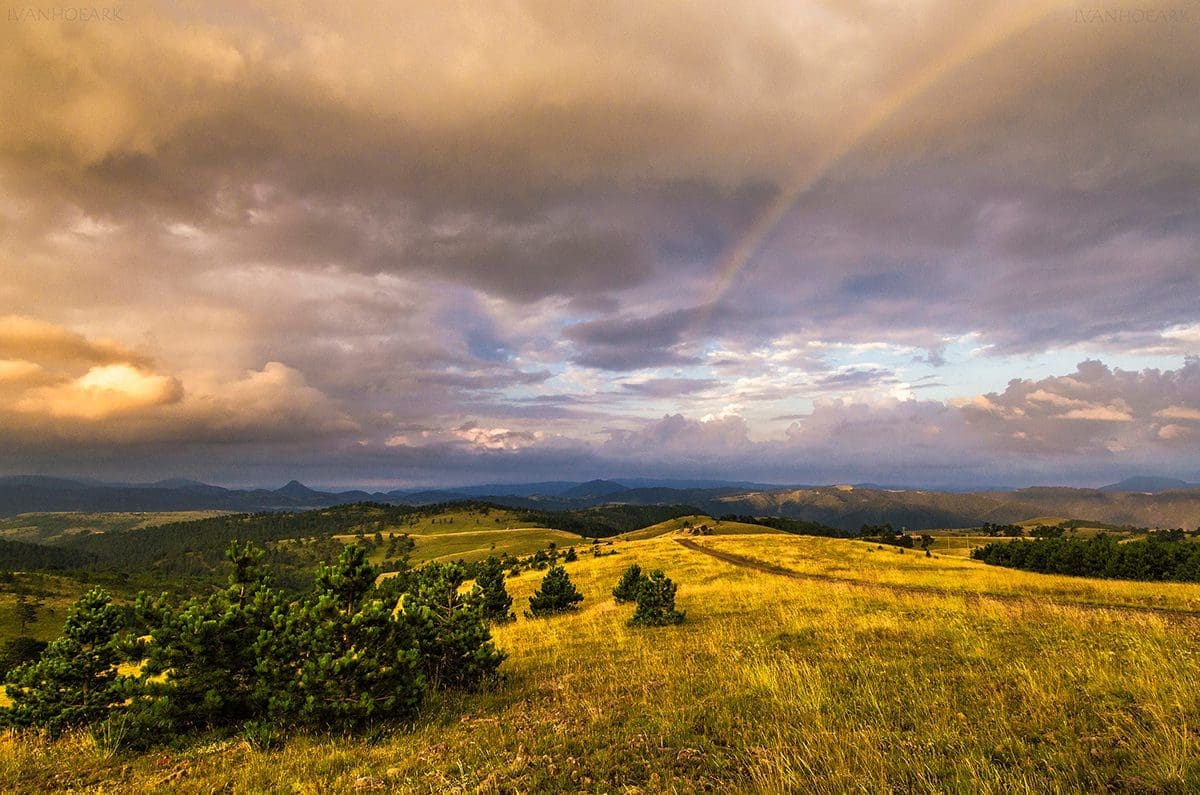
{"type": "Point", "coordinates": [342, 657]}
{"type": "Point", "coordinates": [75, 681]}
{"type": "Point", "coordinates": [349, 655]}
{"type": "Point", "coordinates": [450, 629]}
{"type": "Point", "coordinates": [656, 602]}
{"type": "Point", "coordinates": [627, 588]}
{"type": "Point", "coordinates": [557, 595]}
{"type": "Point", "coordinates": [19, 651]}
{"type": "Point", "coordinates": [203, 658]}
{"type": "Point", "coordinates": [497, 604]}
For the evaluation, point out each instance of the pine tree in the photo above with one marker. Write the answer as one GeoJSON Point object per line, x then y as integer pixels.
{"type": "Point", "coordinates": [26, 611]}
{"type": "Point", "coordinates": [557, 594]}
{"type": "Point", "coordinates": [202, 662]}
{"type": "Point", "coordinates": [656, 602]}
{"type": "Point", "coordinates": [75, 682]}
{"type": "Point", "coordinates": [497, 604]}
{"type": "Point", "coordinates": [345, 658]}
{"type": "Point", "coordinates": [627, 588]}
{"type": "Point", "coordinates": [456, 649]}
{"type": "Point", "coordinates": [571, 556]}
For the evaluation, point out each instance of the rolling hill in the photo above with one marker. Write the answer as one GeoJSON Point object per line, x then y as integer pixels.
{"type": "Point", "coordinates": [803, 664]}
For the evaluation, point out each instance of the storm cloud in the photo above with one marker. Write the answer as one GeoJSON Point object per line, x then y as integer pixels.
{"type": "Point", "coordinates": [263, 240]}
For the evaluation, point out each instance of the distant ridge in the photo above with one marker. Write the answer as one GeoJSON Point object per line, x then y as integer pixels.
{"type": "Point", "coordinates": [296, 490]}
{"type": "Point", "coordinates": [594, 488]}
{"type": "Point", "coordinates": [1141, 502]}
{"type": "Point", "coordinates": [1148, 484]}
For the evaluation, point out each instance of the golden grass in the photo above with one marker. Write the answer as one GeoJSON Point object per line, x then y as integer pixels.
{"type": "Point", "coordinates": [471, 546]}
{"type": "Point", "coordinates": [771, 685]}
{"type": "Point", "coordinates": [678, 524]}
{"type": "Point", "coordinates": [471, 535]}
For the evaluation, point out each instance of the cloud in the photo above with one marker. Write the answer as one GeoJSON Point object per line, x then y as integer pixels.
{"type": "Point", "coordinates": [101, 392]}
{"type": "Point", "coordinates": [26, 338]}
{"type": "Point", "coordinates": [675, 435]}
{"type": "Point", "coordinates": [670, 387]}
{"type": "Point", "coordinates": [1099, 413]}
{"type": "Point", "coordinates": [1179, 413]}
{"type": "Point", "coordinates": [628, 342]}
{"type": "Point", "coordinates": [63, 399]}
{"type": "Point", "coordinates": [1093, 409]}
{"type": "Point", "coordinates": [543, 220]}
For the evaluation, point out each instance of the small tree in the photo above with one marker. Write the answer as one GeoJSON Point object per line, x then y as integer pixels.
{"type": "Point", "coordinates": [202, 662]}
{"type": "Point", "coordinates": [497, 604]}
{"type": "Point", "coordinates": [341, 658]}
{"type": "Point", "coordinates": [571, 555]}
{"type": "Point", "coordinates": [557, 594]}
{"type": "Point", "coordinates": [455, 645]}
{"type": "Point", "coordinates": [627, 588]}
{"type": "Point", "coordinates": [75, 682]}
{"type": "Point", "coordinates": [656, 602]}
{"type": "Point", "coordinates": [26, 610]}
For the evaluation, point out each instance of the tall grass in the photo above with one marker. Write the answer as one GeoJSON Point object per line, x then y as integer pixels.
{"type": "Point", "coordinates": [771, 685]}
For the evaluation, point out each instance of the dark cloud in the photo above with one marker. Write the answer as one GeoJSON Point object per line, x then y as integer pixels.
{"type": "Point", "coordinates": [270, 230]}
{"type": "Point", "coordinates": [626, 342]}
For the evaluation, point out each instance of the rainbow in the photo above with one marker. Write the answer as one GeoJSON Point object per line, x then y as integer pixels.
{"type": "Point", "coordinates": [1009, 21]}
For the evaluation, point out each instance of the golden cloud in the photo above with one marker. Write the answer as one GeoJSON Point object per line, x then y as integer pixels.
{"type": "Point", "coordinates": [30, 340]}
{"type": "Point", "coordinates": [1179, 413]}
{"type": "Point", "coordinates": [103, 391]}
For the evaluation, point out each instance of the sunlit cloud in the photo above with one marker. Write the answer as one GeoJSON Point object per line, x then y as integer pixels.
{"type": "Point", "coordinates": [858, 234]}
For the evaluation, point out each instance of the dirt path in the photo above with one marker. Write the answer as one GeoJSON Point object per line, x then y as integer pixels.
{"type": "Point", "coordinates": [928, 590]}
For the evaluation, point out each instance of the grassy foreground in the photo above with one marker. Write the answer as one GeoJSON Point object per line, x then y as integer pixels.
{"type": "Point", "coordinates": [772, 684]}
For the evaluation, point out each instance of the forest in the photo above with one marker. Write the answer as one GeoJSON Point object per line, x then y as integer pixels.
{"type": "Point", "coordinates": [1162, 555]}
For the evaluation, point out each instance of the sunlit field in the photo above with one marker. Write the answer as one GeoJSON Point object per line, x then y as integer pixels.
{"type": "Point", "coordinates": [772, 684]}
{"type": "Point", "coordinates": [471, 535]}
{"type": "Point", "coordinates": [696, 521]}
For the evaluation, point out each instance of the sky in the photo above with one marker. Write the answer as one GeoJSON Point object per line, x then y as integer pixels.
{"type": "Point", "coordinates": [923, 243]}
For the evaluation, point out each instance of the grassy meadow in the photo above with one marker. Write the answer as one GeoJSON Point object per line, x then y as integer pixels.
{"type": "Point", "coordinates": [716, 526]}
{"type": "Point", "coordinates": [472, 535]}
{"type": "Point", "coordinates": [773, 684]}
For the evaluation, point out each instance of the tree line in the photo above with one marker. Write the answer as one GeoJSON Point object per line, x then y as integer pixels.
{"type": "Point", "coordinates": [1164, 555]}
{"type": "Point", "coordinates": [23, 556]}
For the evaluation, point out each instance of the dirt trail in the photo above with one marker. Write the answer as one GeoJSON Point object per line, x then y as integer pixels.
{"type": "Point", "coordinates": [928, 590]}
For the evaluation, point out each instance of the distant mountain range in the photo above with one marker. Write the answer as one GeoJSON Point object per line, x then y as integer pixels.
{"type": "Point", "coordinates": [1140, 501]}
{"type": "Point", "coordinates": [1149, 485]}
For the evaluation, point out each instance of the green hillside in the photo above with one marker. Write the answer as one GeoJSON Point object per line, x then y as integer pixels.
{"type": "Point", "coordinates": [804, 664]}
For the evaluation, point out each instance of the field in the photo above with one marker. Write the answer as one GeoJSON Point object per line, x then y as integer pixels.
{"type": "Point", "coordinates": [844, 668]}
{"type": "Point", "coordinates": [53, 595]}
{"type": "Point", "coordinates": [716, 526]}
{"type": "Point", "coordinates": [472, 535]}
{"type": "Point", "coordinates": [42, 528]}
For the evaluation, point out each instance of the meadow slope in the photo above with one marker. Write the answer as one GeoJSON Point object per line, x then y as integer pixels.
{"type": "Point", "coordinates": [838, 682]}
